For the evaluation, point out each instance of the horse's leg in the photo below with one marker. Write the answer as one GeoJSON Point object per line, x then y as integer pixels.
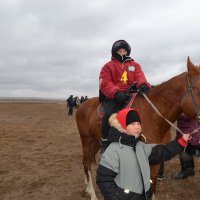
{"type": "Point", "coordinates": [90, 148]}
{"type": "Point", "coordinates": [154, 173]}
{"type": "Point", "coordinates": [155, 168]}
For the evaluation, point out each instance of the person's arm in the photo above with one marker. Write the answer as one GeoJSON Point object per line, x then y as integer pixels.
{"type": "Point", "coordinates": [106, 84]}
{"type": "Point", "coordinates": [105, 181]}
{"type": "Point", "coordinates": [166, 152]}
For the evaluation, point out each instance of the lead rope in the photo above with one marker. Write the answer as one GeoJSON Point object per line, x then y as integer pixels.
{"type": "Point", "coordinates": [193, 132]}
{"type": "Point", "coordinates": [158, 112]}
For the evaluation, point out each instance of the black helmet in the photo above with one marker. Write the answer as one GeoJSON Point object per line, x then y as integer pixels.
{"type": "Point", "coordinates": [120, 44]}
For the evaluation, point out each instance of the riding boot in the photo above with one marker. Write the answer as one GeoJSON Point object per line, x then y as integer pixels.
{"type": "Point", "coordinates": [104, 130]}
{"type": "Point", "coordinates": [110, 107]}
{"type": "Point", "coordinates": [187, 166]}
{"type": "Point", "coordinates": [104, 143]}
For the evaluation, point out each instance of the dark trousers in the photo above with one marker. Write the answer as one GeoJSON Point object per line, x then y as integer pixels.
{"type": "Point", "coordinates": [191, 149]}
{"type": "Point", "coordinates": [70, 112]}
{"type": "Point", "coordinates": [110, 107]}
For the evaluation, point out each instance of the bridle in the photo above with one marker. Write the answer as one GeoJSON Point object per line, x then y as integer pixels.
{"type": "Point", "coordinates": [191, 92]}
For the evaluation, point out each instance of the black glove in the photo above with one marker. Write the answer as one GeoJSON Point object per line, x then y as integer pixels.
{"type": "Point", "coordinates": [121, 97]}
{"type": "Point", "coordinates": [143, 89]}
{"type": "Point", "coordinates": [132, 88]}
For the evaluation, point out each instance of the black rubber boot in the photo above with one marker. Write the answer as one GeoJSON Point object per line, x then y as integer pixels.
{"type": "Point", "coordinates": [181, 175]}
{"type": "Point", "coordinates": [191, 166]}
{"type": "Point", "coordinates": [187, 166]}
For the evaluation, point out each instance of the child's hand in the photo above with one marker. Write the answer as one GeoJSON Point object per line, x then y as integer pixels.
{"type": "Point", "coordinates": [187, 137]}
{"type": "Point", "coordinates": [183, 141]}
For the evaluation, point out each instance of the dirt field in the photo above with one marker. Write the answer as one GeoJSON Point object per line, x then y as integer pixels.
{"type": "Point", "coordinates": [41, 157]}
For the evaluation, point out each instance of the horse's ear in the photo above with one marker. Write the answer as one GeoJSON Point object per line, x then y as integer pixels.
{"type": "Point", "coordinates": [190, 66]}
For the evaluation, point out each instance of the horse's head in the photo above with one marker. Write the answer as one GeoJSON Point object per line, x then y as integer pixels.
{"type": "Point", "coordinates": [190, 102]}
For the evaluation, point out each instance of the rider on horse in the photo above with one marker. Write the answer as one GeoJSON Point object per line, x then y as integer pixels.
{"type": "Point", "coordinates": [115, 78]}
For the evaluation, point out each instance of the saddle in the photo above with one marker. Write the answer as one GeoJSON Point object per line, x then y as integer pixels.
{"type": "Point", "coordinates": [100, 111]}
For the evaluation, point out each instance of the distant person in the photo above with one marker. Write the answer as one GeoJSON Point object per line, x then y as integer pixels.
{"type": "Point", "coordinates": [124, 172]}
{"type": "Point", "coordinates": [86, 98]}
{"type": "Point", "coordinates": [115, 78]}
{"type": "Point", "coordinates": [70, 105]}
{"type": "Point", "coordinates": [82, 99]}
{"type": "Point", "coordinates": [76, 102]}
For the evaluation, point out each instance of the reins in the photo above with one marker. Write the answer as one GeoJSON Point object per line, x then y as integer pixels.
{"type": "Point", "coordinates": [133, 95]}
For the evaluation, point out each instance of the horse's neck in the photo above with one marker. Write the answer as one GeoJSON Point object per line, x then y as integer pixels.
{"type": "Point", "coordinates": [167, 97]}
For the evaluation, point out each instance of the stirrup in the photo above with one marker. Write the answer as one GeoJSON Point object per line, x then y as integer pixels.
{"type": "Point", "coordinates": [103, 145]}
{"type": "Point", "coordinates": [104, 139]}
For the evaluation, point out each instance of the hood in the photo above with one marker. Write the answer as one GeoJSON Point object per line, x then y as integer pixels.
{"type": "Point", "coordinates": [113, 121]}
{"type": "Point", "coordinates": [117, 132]}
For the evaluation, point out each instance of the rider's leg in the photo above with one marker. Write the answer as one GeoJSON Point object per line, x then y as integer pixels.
{"type": "Point", "coordinates": [110, 107]}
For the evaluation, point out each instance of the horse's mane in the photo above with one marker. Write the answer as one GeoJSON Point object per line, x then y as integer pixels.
{"type": "Point", "coordinates": [165, 85]}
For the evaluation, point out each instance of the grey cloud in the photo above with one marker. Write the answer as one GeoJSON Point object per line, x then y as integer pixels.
{"type": "Point", "coordinates": [56, 48]}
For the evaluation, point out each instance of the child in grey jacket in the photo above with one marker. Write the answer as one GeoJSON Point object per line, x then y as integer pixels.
{"type": "Point", "coordinates": [124, 171]}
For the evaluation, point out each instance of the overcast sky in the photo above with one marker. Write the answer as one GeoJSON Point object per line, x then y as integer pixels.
{"type": "Point", "coordinates": [55, 48]}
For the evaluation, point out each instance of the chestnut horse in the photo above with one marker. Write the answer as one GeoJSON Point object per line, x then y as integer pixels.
{"type": "Point", "coordinates": [171, 98]}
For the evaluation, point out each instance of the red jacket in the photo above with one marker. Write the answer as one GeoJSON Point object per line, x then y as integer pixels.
{"type": "Point", "coordinates": [116, 76]}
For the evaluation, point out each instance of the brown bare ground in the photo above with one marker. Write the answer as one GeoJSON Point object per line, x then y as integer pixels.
{"type": "Point", "coordinates": [41, 157]}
